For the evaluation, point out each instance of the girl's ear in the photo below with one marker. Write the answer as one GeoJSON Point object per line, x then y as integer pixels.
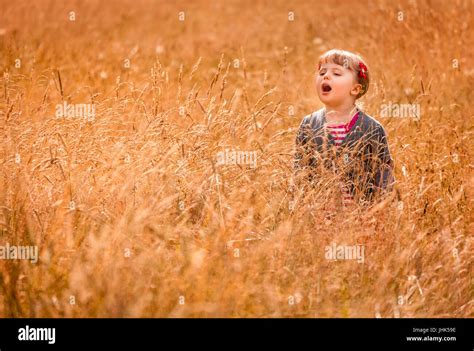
{"type": "Point", "coordinates": [356, 89]}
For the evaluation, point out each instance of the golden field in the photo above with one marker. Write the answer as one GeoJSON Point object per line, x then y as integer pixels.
{"type": "Point", "coordinates": [133, 216]}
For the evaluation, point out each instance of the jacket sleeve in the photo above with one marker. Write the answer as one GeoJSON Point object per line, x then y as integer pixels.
{"type": "Point", "coordinates": [384, 178]}
{"type": "Point", "coordinates": [301, 146]}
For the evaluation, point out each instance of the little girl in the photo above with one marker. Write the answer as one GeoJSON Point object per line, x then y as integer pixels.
{"type": "Point", "coordinates": [340, 144]}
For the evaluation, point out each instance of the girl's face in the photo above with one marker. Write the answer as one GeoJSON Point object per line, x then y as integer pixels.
{"type": "Point", "coordinates": [336, 85]}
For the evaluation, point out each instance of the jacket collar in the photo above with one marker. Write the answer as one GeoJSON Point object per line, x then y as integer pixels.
{"type": "Point", "coordinates": [353, 132]}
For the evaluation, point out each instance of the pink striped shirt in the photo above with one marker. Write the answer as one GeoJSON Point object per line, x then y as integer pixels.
{"type": "Point", "coordinates": [338, 133]}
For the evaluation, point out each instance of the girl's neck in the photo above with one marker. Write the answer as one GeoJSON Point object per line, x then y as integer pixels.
{"type": "Point", "coordinates": [341, 114]}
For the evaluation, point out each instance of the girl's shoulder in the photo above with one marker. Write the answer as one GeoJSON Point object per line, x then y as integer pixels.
{"type": "Point", "coordinates": [369, 123]}
{"type": "Point", "coordinates": [369, 120]}
{"type": "Point", "coordinates": [314, 119]}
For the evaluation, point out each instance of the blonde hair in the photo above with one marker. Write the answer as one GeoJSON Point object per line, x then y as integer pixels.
{"type": "Point", "coordinates": [351, 61]}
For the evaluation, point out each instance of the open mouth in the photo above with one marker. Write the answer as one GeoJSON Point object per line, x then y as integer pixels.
{"type": "Point", "coordinates": [326, 88]}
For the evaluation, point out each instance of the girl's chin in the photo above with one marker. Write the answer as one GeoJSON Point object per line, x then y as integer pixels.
{"type": "Point", "coordinates": [325, 98]}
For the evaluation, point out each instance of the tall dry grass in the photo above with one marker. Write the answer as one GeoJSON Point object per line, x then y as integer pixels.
{"type": "Point", "coordinates": [131, 213]}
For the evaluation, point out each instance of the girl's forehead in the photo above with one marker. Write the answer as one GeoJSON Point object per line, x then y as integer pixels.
{"type": "Point", "coordinates": [331, 65]}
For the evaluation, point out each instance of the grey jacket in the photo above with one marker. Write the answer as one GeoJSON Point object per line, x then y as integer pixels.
{"type": "Point", "coordinates": [363, 158]}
